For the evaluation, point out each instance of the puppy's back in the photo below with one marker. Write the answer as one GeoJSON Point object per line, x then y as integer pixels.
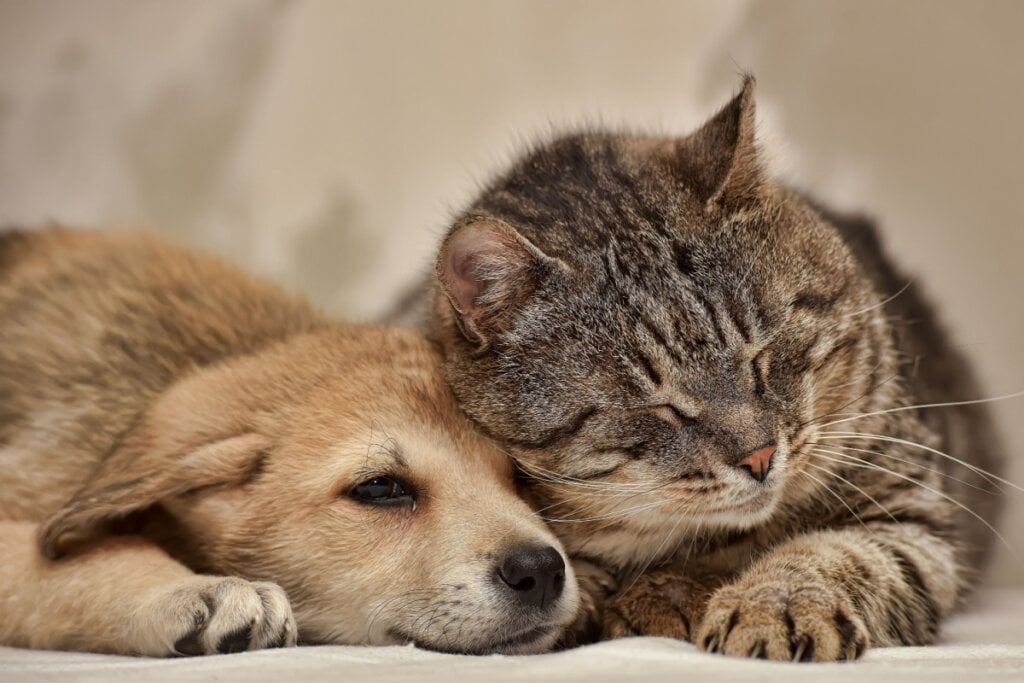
{"type": "Point", "coordinates": [93, 326]}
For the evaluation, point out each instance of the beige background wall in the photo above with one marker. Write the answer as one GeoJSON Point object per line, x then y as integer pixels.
{"type": "Point", "coordinates": [325, 143]}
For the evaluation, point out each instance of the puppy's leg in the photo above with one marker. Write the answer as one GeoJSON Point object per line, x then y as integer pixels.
{"type": "Point", "coordinates": [125, 595]}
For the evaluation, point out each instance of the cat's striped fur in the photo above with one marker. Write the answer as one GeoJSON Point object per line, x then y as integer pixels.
{"type": "Point", "coordinates": [633, 316]}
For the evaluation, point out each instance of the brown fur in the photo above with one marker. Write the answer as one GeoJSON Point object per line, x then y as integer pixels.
{"type": "Point", "coordinates": [180, 441]}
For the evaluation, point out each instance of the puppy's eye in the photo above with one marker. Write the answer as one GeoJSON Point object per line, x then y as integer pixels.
{"type": "Point", "coordinates": [382, 491]}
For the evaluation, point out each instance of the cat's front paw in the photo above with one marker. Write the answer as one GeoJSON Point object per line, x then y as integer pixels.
{"type": "Point", "coordinates": [783, 620]}
{"type": "Point", "coordinates": [659, 603]}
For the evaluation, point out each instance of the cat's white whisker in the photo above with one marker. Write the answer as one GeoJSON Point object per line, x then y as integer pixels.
{"type": "Point", "coordinates": [858, 416]}
{"type": "Point", "coordinates": [627, 497]}
{"type": "Point", "coordinates": [594, 500]}
{"type": "Point", "coordinates": [992, 478]}
{"type": "Point", "coordinates": [656, 554]}
{"type": "Point", "coordinates": [867, 394]}
{"type": "Point", "coordinates": [919, 465]}
{"type": "Point", "coordinates": [860, 490]}
{"type": "Point", "coordinates": [881, 303]}
{"type": "Point", "coordinates": [873, 466]}
{"type": "Point", "coordinates": [838, 497]}
{"type": "Point", "coordinates": [551, 477]}
{"type": "Point", "coordinates": [615, 514]}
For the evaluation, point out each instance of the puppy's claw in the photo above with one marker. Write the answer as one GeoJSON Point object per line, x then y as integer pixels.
{"type": "Point", "coordinates": [208, 615]}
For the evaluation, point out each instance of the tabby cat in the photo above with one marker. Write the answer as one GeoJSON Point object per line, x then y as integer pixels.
{"type": "Point", "coordinates": [719, 392]}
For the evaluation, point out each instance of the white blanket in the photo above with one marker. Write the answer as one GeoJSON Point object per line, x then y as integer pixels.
{"type": "Point", "coordinates": [986, 643]}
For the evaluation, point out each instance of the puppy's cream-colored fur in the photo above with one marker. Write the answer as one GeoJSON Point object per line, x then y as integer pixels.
{"type": "Point", "coordinates": [178, 444]}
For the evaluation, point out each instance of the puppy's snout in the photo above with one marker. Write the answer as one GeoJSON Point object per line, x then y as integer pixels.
{"type": "Point", "coordinates": [534, 575]}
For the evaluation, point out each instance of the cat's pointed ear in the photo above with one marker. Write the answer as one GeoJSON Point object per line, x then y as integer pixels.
{"type": "Point", "coordinates": [721, 160]}
{"type": "Point", "coordinates": [488, 271]}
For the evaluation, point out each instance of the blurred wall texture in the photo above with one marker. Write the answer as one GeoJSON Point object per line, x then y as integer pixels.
{"type": "Point", "coordinates": [325, 143]}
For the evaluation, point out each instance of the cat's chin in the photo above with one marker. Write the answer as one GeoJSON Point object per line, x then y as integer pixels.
{"type": "Point", "coordinates": [745, 515]}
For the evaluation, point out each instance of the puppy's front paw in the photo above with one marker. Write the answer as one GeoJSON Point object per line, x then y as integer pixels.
{"type": "Point", "coordinates": [210, 614]}
{"type": "Point", "coordinates": [784, 619]}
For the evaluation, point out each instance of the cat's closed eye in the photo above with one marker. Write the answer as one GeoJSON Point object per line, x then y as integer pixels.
{"type": "Point", "coordinates": [759, 368]}
{"type": "Point", "coordinates": [673, 415]}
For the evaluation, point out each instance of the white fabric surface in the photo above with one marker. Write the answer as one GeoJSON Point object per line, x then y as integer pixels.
{"type": "Point", "coordinates": [985, 643]}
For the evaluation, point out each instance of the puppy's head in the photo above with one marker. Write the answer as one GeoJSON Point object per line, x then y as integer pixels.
{"type": "Point", "coordinates": [338, 466]}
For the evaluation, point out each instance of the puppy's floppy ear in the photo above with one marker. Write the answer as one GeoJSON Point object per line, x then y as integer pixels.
{"type": "Point", "coordinates": [488, 270]}
{"type": "Point", "coordinates": [194, 436]}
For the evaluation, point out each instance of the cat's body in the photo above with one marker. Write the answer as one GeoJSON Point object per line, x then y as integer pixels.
{"type": "Point", "coordinates": [698, 370]}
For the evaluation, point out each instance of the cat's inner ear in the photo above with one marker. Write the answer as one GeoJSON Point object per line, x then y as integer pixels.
{"type": "Point", "coordinates": [488, 271]}
{"type": "Point", "coordinates": [720, 161]}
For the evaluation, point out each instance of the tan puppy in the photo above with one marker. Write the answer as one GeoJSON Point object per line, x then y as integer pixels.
{"type": "Point", "coordinates": [190, 457]}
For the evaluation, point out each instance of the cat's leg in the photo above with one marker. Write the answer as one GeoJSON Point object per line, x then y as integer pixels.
{"type": "Point", "coordinates": [125, 595]}
{"type": "Point", "coordinates": [595, 587]}
{"type": "Point", "coordinates": [827, 595]}
{"type": "Point", "coordinates": [667, 602]}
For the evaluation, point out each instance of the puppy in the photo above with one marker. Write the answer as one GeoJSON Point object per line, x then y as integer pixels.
{"type": "Point", "coordinates": [192, 461]}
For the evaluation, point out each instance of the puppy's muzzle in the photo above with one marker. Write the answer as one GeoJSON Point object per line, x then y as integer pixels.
{"type": "Point", "coordinates": [531, 575]}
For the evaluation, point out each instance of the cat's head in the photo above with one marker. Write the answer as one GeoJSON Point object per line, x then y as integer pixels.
{"type": "Point", "coordinates": [651, 325]}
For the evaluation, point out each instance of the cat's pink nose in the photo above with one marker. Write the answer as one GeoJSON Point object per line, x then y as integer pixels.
{"type": "Point", "coordinates": [758, 463]}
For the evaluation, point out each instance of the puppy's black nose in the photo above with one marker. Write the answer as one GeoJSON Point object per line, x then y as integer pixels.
{"type": "Point", "coordinates": [535, 575]}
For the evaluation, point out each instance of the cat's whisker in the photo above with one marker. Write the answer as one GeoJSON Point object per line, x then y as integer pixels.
{"type": "Point", "coordinates": [542, 474]}
{"type": "Point", "coordinates": [861, 491]}
{"type": "Point", "coordinates": [656, 554]}
{"type": "Point", "coordinates": [597, 491]}
{"type": "Point", "coordinates": [594, 499]}
{"type": "Point", "coordinates": [570, 505]}
{"type": "Point", "coordinates": [950, 404]}
{"type": "Point", "coordinates": [568, 501]}
{"type": "Point", "coordinates": [845, 459]}
{"type": "Point", "coordinates": [867, 393]}
{"type": "Point", "coordinates": [568, 493]}
{"type": "Point", "coordinates": [989, 476]}
{"type": "Point", "coordinates": [693, 540]}
{"type": "Point", "coordinates": [881, 303]}
{"type": "Point", "coordinates": [627, 498]}
{"type": "Point", "coordinates": [616, 514]}
{"type": "Point", "coordinates": [624, 499]}
{"type": "Point", "coordinates": [535, 469]}
{"type": "Point", "coordinates": [838, 497]}
{"type": "Point", "coordinates": [919, 465]}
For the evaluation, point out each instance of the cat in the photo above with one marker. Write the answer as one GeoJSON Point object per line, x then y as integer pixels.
{"type": "Point", "coordinates": [717, 391]}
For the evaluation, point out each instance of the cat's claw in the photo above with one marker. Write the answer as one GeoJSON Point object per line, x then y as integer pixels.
{"type": "Point", "coordinates": [783, 621]}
